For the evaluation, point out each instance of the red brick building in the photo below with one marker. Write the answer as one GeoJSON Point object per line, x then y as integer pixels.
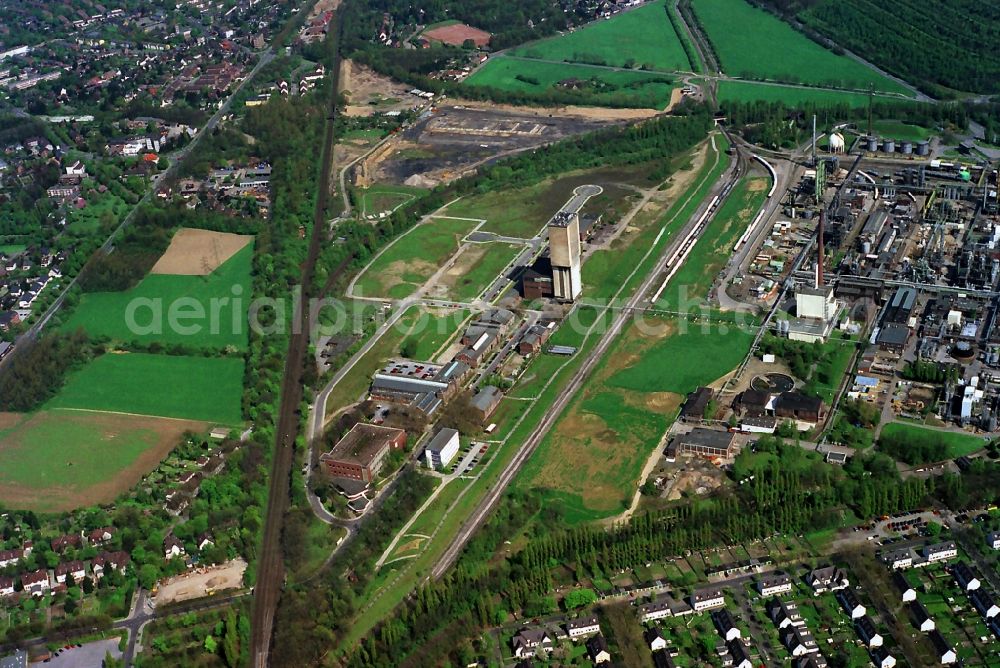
{"type": "Point", "coordinates": [359, 455]}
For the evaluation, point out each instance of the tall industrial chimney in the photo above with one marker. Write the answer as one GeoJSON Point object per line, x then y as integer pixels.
{"type": "Point", "coordinates": [814, 141]}
{"type": "Point", "coordinates": [819, 249]}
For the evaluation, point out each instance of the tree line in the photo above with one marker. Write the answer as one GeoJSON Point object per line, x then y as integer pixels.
{"type": "Point", "coordinates": [35, 374]}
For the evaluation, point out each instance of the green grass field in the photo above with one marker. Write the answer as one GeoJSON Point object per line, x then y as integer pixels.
{"type": "Point", "coordinates": [748, 91]}
{"type": "Point", "coordinates": [429, 330]}
{"type": "Point", "coordinates": [412, 259]}
{"type": "Point", "coordinates": [957, 444]}
{"type": "Point", "coordinates": [194, 388]}
{"type": "Point", "coordinates": [752, 43]}
{"type": "Point", "coordinates": [102, 211]}
{"type": "Point", "coordinates": [108, 314]}
{"type": "Point", "coordinates": [386, 197]}
{"type": "Point", "coordinates": [641, 37]}
{"type": "Point", "coordinates": [490, 260]}
{"type": "Point", "coordinates": [12, 249]}
{"type": "Point", "coordinates": [901, 131]}
{"type": "Point", "coordinates": [607, 87]}
{"type": "Point", "coordinates": [517, 213]}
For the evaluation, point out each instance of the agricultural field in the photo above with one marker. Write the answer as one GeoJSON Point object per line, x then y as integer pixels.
{"type": "Point", "coordinates": [593, 85]}
{"type": "Point", "coordinates": [57, 460]}
{"type": "Point", "coordinates": [749, 91]}
{"type": "Point", "coordinates": [642, 37]}
{"type": "Point", "coordinates": [385, 198]}
{"type": "Point", "coordinates": [751, 43]}
{"type": "Point", "coordinates": [407, 264]}
{"type": "Point", "coordinates": [192, 388]}
{"type": "Point", "coordinates": [107, 314]}
{"type": "Point", "coordinates": [476, 267]}
{"type": "Point", "coordinates": [935, 44]}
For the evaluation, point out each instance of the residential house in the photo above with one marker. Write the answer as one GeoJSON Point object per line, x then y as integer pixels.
{"type": "Point", "coordinates": [37, 582]}
{"type": "Point", "coordinates": [784, 615]}
{"type": "Point", "coordinates": [708, 598]}
{"type": "Point", "coordinates": [100, 536]}
{"type": "Point", "coordinates": [921, 618]}
{"type": "Point", "coordinates": [852, 606]}
{"type": "Point", "coordinates": [812, 661]}
{"type": "Point", "coordinates": [868, 633]}
{"type": "Point", "coordinates": [653, 611]}
{"type": "Point", "coordinates": [10, 557]}
{"type": "Point", "coordinates": [655, 639]}
{"type": "Point", "coordinates": [966, 577]}
{"type": "Point", "coordinates": [945, 653]}
{"type": "Point", "coordinates": [597, 648]}
{"type": "Point", "coordinates": [585, 626]}
{"type": "Point", "coordinates": [993, 540]}
{"type": "Point", "coordinates": [662, 659]}
{"type": "Point", "coordinates": [882, 659]}
{"type": "Point", "coordinates": [6, 586]}
{"type": "Point", "coordinates": [828, 578]}
{"type": "Point", "coordinates": [726, 625]}
{"type": "Point", "coordinates": [899, 559]}
{"type": "Point", "coordinates": [75, 568]}
{"type": "Point", "coordinates": [62, 543]}
{"type": "Point", "coordinates": [906, 592]}
{"type": "Point", "coordinates": [530, 641]}
{"type": "Point", "coordinates": [774, 584]}
{"type": "Point", "coordinates": [205, 540]}
{"type": "Point", "coordinates": [100, 564]}
{"type": "Point", "coordinates": [799, 641]}
{"type": "Point", "coordinates": [940, 551]}
{"type": "Point", "coordinates": [740, 654]}
{"type": "Point", "coordinates": [172, 547]}
{"type": "Point", "coordinates": [985, 603]}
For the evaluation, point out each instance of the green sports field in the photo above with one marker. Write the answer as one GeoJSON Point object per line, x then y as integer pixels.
{"type": "Point", "coordinates": [412, 259]}
{"type": "Point", "coordinates": [749, 91]}
{"type": "Point", "coordinates": [132, 315]}
{"type": "Point", "coordinates": [752, 43]}
{"type": "Point", "coordinates": [600, 86]}
{"type": "Point", "coordinates": [193, 388]}
{"type": "Point", "coordinates": [642, 37]}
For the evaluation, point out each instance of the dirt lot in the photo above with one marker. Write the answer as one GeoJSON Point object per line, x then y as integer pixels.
{"type": "Point", "coordinates": [199, 252]}
{"type": "Point", "coordinates": [201, 582]}
{"type": "Point", "coordinates": [368, 91]}
{"type": "Point", "coordinates": [46, 440]}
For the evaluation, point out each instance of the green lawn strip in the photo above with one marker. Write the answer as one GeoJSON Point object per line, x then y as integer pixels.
{"type": "Point", "coordinates": [385, 197]}
{"type": "Point", "coordinates": [12, 249]}
{"type": "Point", "coordinates": [429, 331]}
{"type": "Point", "coordinates": [751, 43]}
{"type": "Point", "coordinates": [52, 448]}
{"type": "Point", "coordinates": [516, 213]}
{"type": "Point", "coordinates": [194, 388]}
{"type": "Point", "coordinates": [321, 539]}
{"type": "Point", "coordinates": [485, 271]}
{"type": "Point", "coordinates": [749, 91]}
{"type": "Point", "coordinates": [901, 131]}
{"type": "Point", "coordinates": [828, 377]}
{"type": "Point", "coordinates": [958, 444]}
{"type": "Point", "coordinates": [603, 270]}
{"type": "Point", "coordinates": [600, 86]}
{"type": "Point", "coordinates": [149, 305]}
{"type": "Point", "coordinates": [712, 251]}
{"type": "Point", "coordinates": [413, 258]}
{"type": "Point", "coordinates": [640, 37]}
{"type": "Point", "coordinates": [356, 383]}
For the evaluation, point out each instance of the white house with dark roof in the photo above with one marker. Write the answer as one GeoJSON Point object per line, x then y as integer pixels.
{"type": "Point", "coordinates": [774, 584]}
{"type": "Point", "coordinates": [6, 586]}
{"type": "Point", "coordinates": [906, 591]}
{"type": "Point", "coordinates": [597, 647]}
{"type": "Point", "coordinates": [898, 559]}
{"type": "Point", "coordinates": [529, 642]}
{"type": "Point", "coordinates": [984, 603]}
{"type": "Point", "coordinates": [650, 612]}
{"type": "Point", "coordinates": [868, 632]}
{"type": "Point", "coordinates": [799, 641]}
{"type": "Point", "coordinates": [944, 651]}
{"type": "Point", "coordinates": [584, 626]}
{"type": "Point", "coordinates": [966, 577]}
{"type": "Point", "coordinates": [784, 614]}
{"type": "Point", "coordinates": [655, 639]}
{"type": "Point", "coordinates": [993, 540]}
{"type": "Point", "coordinates": [882, 658]}
{"type": "Point", "coordinates": [828, 578]}
{"type": "Point", "coordinates": [940, 551]}
{"type": "Point", "coordinates": [921, 618]}
{"type": "Point", "coordinates": [852, 606]}
{"type": "Point", "coordinates": [37, 582]}
{"type": "Point", "coordinates": [707, 599]}
{"type": "Point", "coordinates": [726, 625]}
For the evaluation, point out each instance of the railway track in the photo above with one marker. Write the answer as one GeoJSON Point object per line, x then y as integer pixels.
{"type": "Point", "coordinates": [635, 303]}
{"type": "Point", "coordinates": [270, 565]}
